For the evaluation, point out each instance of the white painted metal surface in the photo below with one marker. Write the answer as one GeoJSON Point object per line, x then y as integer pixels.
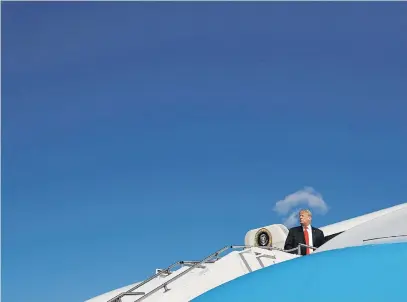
{"type": "Point", "coordinates": [391, 226]}
{"type": "Point", "coordinates": [384, 225]}
{"type": "Point", "coordinates": [200, 280]}
{"type": "Point", "coordinates": [353, 222]}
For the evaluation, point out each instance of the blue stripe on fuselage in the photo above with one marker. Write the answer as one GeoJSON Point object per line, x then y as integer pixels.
{"type": "Point", "coordinates": [366, 273]}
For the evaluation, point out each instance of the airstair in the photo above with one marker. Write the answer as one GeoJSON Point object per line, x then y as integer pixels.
{"type": "Point", "coordinates": [170, 284]}
{"type": "Point", "coordinates": [183, 281]}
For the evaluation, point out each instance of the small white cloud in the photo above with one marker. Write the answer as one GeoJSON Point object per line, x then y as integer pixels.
{"type": "Point", "coordinates": [291, 220]}
{"type": "Point", "coordinates": [307, 196]}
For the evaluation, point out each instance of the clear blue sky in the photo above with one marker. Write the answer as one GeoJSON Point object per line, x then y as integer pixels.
{"type": "Point", "coordinates": [138, 134]}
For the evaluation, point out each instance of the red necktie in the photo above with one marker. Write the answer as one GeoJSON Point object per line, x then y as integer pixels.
{"type": "Point", "coordinates": [306, 239]}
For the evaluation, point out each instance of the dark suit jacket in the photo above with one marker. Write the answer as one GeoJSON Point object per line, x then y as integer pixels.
{"type": "Point", "coordinates": [296, 236]}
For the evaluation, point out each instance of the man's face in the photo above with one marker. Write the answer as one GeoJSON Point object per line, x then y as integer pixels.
{"type": "Point", "coordinates": [263, 239]}
{"type": "Point", "coordinates": [305, 219]}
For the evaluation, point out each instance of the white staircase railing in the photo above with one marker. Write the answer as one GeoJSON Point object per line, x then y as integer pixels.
{"type": "Point", "coordinates": [193, 265]}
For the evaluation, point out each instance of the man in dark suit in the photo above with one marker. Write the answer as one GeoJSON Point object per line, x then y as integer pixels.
{"type": "Point", "coordinates": [305, 233]}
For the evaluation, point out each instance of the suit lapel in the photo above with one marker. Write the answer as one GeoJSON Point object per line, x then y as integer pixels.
{"type": "Point", "coordinates": [302, 236]}
{"type": "Point", "coordinates": [314, 237]}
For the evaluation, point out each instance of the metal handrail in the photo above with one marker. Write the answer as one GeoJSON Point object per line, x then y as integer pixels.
{"type": "Point", "coordinates": [304, 245]}
{"type": "Point", "coordinates": [145, 281]}
{"type": "Point", "coordinates": [194, 265]}
{"type": "Point", "coordinates": [160, 272]}
{"type": "Point", "coordinates": [164, 285]}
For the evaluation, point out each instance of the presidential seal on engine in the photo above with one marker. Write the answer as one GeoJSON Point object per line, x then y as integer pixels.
{"type": "Point", "coordinates": [263, 238]}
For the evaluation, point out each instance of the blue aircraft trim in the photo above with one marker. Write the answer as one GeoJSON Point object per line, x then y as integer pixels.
{"type": "Point", "coordinates": [373, 273]}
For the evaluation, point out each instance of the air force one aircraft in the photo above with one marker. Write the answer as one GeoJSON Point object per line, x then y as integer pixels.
{"type": "Point", "coordinates": [363, 259]}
